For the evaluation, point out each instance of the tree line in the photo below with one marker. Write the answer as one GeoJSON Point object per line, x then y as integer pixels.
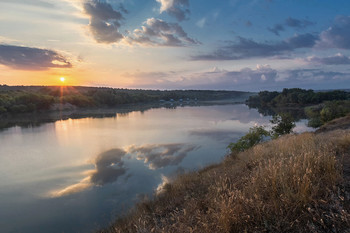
{"type": "Point", "coordinates": [21, 99]}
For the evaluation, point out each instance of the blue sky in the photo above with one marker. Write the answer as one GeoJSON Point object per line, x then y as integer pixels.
{"type": "Point", "coordinates": [176, 44]}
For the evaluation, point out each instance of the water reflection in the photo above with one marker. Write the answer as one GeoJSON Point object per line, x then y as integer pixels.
{"type": "Point", "coordinates": [218, 135]}
{"type": "Point", "coordinates": [108, 167]}
{"type": "Point", "coordinates": [159, 156]}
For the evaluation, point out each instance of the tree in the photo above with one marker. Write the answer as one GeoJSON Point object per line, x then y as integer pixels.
{"type": "Point", "coordinates": [255, 136]}
{"type": "Point", "coordinates": [284, 124]}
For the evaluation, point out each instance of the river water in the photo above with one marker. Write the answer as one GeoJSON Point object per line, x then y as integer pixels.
{"type": "Point", "coordinates": [77, 175]}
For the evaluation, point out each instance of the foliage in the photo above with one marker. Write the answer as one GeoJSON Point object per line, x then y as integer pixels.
{"type": "Point", "coordinates": [284, 124]}
{"type": "Point", "coordinates": [327, 111]}
{"type": "Point", "coordinates": [295, 97]}
{"type": "Point", "coordinates": [255, 136]}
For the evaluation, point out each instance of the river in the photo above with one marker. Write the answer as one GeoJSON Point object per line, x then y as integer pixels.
{"type": "Point", "coordinates": [78, 175]}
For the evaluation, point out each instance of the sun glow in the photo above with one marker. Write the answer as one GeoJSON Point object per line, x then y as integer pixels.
{"type": "Point", "coordinates": [62, 79]}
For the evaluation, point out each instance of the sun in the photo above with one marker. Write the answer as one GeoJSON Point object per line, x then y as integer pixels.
{"type": "Point", "coordinates": [62, 79]}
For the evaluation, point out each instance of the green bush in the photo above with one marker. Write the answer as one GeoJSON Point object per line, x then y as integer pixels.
{"type": "Point", "coordinates": [255, 136]}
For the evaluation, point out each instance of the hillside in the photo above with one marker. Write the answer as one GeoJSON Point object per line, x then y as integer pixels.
{"type": "Point", "coordinates": [296, 183]}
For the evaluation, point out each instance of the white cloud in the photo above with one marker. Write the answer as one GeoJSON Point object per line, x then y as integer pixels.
{"type": "Point", "coordinates": [156, 32]}
{"type": "Point", "coordinates": [176, 8]}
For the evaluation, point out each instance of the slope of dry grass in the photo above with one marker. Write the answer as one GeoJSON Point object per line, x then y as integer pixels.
{"type": "Point", "coordinates": [295, 183]}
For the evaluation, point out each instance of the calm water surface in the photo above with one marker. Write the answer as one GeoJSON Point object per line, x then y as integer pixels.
{"type": "Point", "coordinates": [78, 175]}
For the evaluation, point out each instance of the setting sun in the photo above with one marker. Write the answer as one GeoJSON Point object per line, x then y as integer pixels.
{"type": "Point", "coordinates": [62, 79]}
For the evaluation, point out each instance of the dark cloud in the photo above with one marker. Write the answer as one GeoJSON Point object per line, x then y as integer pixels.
{"type": "Point", "coordinates": [338, 35]}
{"type": "Point", "coordinates": [290, 22]}
{"type": "Point", "coordinates": [246, 48]}
{"type": "Point", "coordinates": [157, 32]}
{"type": "Point", "coordinates": [176, 8]}
{"type": "Point", "coordinates": [158, 156]}
{"type": "Point", "coordinates": [276, 29]}
{"type": "Point", "coordinates": [27, 58]}
{"type": "Point", "coordinates": [296, 23]}
{"type": "Point", "coordinates": [109, 166]}
{"type": "Point", "coordinates": [301, 41]}
{"type": "Point", "coordinates": [338, 59]}
{"type": "Point", "coordinates": [104, 21]}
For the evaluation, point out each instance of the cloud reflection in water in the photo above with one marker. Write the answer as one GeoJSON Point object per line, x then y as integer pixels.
{"type": "Point", "coordinates": [108, 167]}
{"type": "Point", "coordinates": [162, 155]}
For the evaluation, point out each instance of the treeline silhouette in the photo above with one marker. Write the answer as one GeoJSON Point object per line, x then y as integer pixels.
{"type": "Point", "coordinates": [22, 99]}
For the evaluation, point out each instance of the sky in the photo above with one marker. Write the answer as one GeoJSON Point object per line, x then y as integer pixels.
{"type": "Point", "coordinates": [249, 45]}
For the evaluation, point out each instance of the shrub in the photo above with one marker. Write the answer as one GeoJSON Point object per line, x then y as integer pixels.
{"type": "Point", "coordinates": [255, 136]}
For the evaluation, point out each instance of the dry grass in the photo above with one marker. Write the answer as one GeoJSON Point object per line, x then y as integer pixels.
{"type": "Point", "coordinates": [293, 184]}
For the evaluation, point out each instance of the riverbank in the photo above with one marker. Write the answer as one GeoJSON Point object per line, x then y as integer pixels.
{"type": "Point", "coordinates": [296, 183]}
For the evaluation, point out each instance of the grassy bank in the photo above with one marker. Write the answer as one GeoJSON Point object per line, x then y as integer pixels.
{"type": "Point", "coordinates": [296, 183]}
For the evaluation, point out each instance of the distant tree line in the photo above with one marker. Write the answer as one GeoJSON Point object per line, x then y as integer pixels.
{"type": "Point", "coordinates": [296, 97]}
{"type": "Point", "coordinates": [318, 107]}
{"type": "Point", "coordinates": [21, 99]}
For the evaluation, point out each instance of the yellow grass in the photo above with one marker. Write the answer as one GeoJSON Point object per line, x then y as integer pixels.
{"type": "Point", "coordinates": [291, 184]}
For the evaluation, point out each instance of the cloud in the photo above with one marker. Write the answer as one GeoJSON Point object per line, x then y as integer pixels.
{"type": "Point", "coordinates": [158, 156]}
{"type": "Point", "coordinates": [157, 32]}
{"type": "Point", "coordinates": [290, 22]}
{"type": "Point", "coordinates": [245, 48]}
{"type": "Point", "coordinates": [338, 59]}
{"type": "Point", "coordinates": [27, 58]}
{"type": "Point", "coordinates": [338, 35]}
{"type": "Point", "coordinates": [108, 168]}
{"type": "Point", "coordinates": [296, 23]}
{"type": "Point", "coordinates": [104, 21]}
{"type": "Point", "coordinates": [176, 8]}
{"type": "Point", "coordinates": [276, 29]}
